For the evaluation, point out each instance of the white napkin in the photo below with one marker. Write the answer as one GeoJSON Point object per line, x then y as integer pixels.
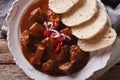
{"type": "Point", "coordinates": [115, 17]}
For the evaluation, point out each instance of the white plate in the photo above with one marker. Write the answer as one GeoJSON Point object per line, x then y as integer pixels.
{"type": "Point", "coordinates": [98, 60]}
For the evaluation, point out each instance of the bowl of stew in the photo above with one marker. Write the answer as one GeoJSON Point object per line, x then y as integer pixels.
{"type": "Point", "coordinates": [44, 48]}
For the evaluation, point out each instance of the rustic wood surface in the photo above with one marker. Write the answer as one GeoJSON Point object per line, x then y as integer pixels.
{"type": "Point", "coordinates": [10, 71]}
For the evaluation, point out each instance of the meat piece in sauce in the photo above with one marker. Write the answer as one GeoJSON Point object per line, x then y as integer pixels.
{"type": "Point", "coordinates": [36, 59]}
{"type": "Point", "coordinates": [26, 42]}
{"type": "Point", "coordinates": [64, 54]}
{"type": "Point", "coordinates": [30, 36]}
{"type": "Point", "coordinates": [66, 31]}
{"type": "Point", "coordinates": [66, 67]}
{"type": "Point", "coordinates": [36, 30]}
{"type": "Point", "coordinates": [75, 53]}
{"type": "Point", "coordinates": [38, 15]}
{"type": "Point", "coordinates": [55, 18]}
{"type": "Point", "coordinates": [25, 38]}
{"type": "Point", "coordinates": [50, 43]}
{"type": "Point", "coordinates": [49, 65]}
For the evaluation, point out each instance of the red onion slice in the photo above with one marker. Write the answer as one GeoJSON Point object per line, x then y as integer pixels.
{"type": "Point", "coordinates": [49, 27]}
{"type": "Point", "coordinates": [68, 37]}
{"type": "Point", "coordinates": [46, 25]}
{"type": "Point", "coordinates": [65, 36]}
{"type": "Point", "coordinates": [50, 24]}
{"type": "Point", "coordinates": [56, 33]}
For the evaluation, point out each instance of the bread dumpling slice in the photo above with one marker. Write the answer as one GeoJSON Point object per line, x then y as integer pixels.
{"type": "Point", "coordinates": [91, 27]}
{"type": "Point", "coordinates": [80, 13]}
{"type": "Point", "coordinates": [105, 39]}
{"type": "Point", "coordinates": [61, 6]}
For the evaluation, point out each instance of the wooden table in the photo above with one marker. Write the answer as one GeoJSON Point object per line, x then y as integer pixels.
{"type": "Point", "coordinates": [10, 71]}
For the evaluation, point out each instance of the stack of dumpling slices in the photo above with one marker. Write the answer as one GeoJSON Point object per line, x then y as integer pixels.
{"type": "Point", "coordinates": [88, 23]}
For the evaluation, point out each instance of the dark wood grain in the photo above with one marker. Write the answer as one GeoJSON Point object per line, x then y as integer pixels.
{"type": "Point", "coordinates": [112, 74]}
{"type": "Point", "coordinates": [5, 56]}
{"type": "Point", "coordinates": [10, 71]}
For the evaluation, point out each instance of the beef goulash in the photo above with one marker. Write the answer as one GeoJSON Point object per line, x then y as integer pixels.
{"type": "Point", "coordinates": [58, 36]}
{"type": "Point", "coordinates": [48, 44]}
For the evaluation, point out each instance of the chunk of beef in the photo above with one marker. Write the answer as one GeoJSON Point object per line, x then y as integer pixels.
{"type": "Point", "coordinates": [27, 43]}
{"type": "Point", "coordinates": [75, 57]}
{"type": "Point", "coordinates": [36, 30]}
{"type": "Point", "coordinates": [38, 15]}
{"type": "Point", "coordinates": [30, 37]}
{"type": "Point", "coordinates": [66, 67]}
{"type": "Point", "coordinates": [75, 53]}
{"type": "Point", "coordinates": [36, 59]}
{"type": "Point", "coordinates": [64, 54]}
{"type": "Point", "coordinates": [55, 18]}
{"type": "Point", "coordinates": [25, 38]}
{"type": "Point", "coordinates": [66, 31]}
{"type": "Point", "coordinates": [50, 44]}
{"type": "Point", "coordinates": [49, 65]}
